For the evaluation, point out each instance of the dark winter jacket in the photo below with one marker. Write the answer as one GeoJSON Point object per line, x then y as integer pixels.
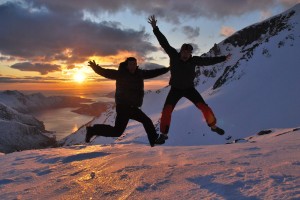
{"type": "Point", "coordinates": [183, 72]}
{"type": "Point", "coordinates": [129, 87]}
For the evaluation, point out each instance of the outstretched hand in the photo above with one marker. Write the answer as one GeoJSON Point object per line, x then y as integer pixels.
{"type": "Point", "coordinates": [152, 21]}
{"type": "Point", "coordinates": [92, 64]}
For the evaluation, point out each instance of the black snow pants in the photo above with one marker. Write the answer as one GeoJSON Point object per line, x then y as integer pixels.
{"type": "Point", "coordinates": [124, 113]}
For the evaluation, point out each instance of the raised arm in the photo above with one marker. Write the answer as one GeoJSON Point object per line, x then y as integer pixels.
{"type": "Point", "coordinates": [154, 72]}
{"type": "Point", "coordinates": [107, 73]}
{"type": "Point", "coordinates": [160, 37]}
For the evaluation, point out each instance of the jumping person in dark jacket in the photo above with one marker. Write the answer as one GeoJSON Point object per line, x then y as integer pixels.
{"type": "Point", "coordinates": [128, 97]}
{"type": "Point", "coordinates": [182, 67]}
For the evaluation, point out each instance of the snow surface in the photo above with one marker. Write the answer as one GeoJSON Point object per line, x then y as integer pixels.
{"type": "Point", "coordinates": [265, 167]}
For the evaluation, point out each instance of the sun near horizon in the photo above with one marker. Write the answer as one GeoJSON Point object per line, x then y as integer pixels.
{"type": "Point", "coordinates": [79, 77]}
{"type": "Point", "coordinates": [72, 76]}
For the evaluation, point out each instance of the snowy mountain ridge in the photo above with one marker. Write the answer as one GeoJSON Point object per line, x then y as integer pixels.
{"type": "Point", "coordinates": [37, 101]}
{"type": "Point", "coordinates": [22, 131]}
{"type": "Point", "coordinates": [247, 40]}
{"type": "Point", "coordinates": [19, 129]}
{"type": "Point", "coordinates": [10, 114]}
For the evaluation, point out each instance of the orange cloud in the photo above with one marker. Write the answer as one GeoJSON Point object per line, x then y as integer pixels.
{"type": "Point", "coordinates": [114, 60]}
{"type": "Point", "coordinates": [226, 31]}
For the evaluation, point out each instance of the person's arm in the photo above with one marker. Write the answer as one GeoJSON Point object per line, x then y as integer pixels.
{"type": "Point", "coordinates": [205, 61]}
{"type": "Point", "coordinates": [147, 74]}
{"type": "Point", "coordinates": [107, 73]}
{"type": "Point", "coordinates": [160, 37]}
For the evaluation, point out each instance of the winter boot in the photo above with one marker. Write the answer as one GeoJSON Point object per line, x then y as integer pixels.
{"type": "Point", "coordinates": [164, 136]}
{"type": "Point", "coordinates": [217, 130]}
{"type": "Point", "coordinates": [89, 134]}
{"type": "Point", "coordinates": [159, 140]}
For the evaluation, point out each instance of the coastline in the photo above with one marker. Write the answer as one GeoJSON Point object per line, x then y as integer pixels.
{"type": "Point", "coordinates": [76, 109]}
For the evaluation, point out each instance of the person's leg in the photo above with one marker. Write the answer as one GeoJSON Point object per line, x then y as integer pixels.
{"type": "Point", "coordinates": [138, 115]}
{"type": "Point", "coordinates": [122, 119]}
{"type": "Point", "coordinates": [194, 96]}
{"type": "Point", "coordinates": [108, 130]}
{"type": "Point", "coordinates": [170, 103]}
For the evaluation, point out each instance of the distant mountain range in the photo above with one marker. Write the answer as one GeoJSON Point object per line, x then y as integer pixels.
{"type": "Point", "coordinates": [19, 130]}
{"type": "Point", "coordinates": [37, 101]}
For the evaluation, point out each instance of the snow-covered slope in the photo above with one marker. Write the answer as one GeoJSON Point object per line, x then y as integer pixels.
{"type": "Point", "coordinates": [266, 167]}
{"type": "Point", "coordinates": [21, 131]}
{"type": "Point", "coordinates": [256, 89]}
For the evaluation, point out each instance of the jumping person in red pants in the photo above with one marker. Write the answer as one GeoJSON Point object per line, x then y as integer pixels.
{"type": "Point", "coordinates": [182, 67]}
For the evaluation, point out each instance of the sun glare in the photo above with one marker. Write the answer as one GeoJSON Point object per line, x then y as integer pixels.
{"type": "Point", "coordinates": [79, 77]}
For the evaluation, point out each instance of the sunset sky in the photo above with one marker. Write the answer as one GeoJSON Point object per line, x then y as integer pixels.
{"type": "Point", "coordinates": [47, 43]}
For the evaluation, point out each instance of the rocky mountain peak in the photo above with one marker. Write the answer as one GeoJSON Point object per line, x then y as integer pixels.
{"type": "Point", "coordinates": [255, 38]}
{"type": "Point", "coordinates": [256, 32]}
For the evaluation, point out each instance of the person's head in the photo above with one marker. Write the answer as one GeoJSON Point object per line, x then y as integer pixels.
{"type": "Point", "coordinates": [131, 64]}
{"type": "Point", "coordinates": [186, 51]}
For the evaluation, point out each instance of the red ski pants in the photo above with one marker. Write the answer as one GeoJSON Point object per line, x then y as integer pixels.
{"type": "Point", "coordinates": [191, 94]}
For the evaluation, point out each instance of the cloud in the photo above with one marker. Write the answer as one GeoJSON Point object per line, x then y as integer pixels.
{"type": "Point", "coordinates": [227, 31]}
{"type": "Point", "coordinates": [29, 79]}
{"type": "Point", "coordinates": [265, 14]}
{"type": "Point", "coordinates": [191, 32]}
{"type": "Point", "coordinates": [44, 31]}
{"type": "Point", "coordinates": [170, 10]}
{"type": "Point", "coordinates": [149, 66]}
{"type": "Point", "coordinates": [38, 67]}
{"type": "Point", "coordinates": [3, 58]}
{"type": "Point", "coordinates": [196, 49]}
{"type": "Point", "coordinates": [58, 33]}
{"type": "Point", "coordinates": [289, 3]}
